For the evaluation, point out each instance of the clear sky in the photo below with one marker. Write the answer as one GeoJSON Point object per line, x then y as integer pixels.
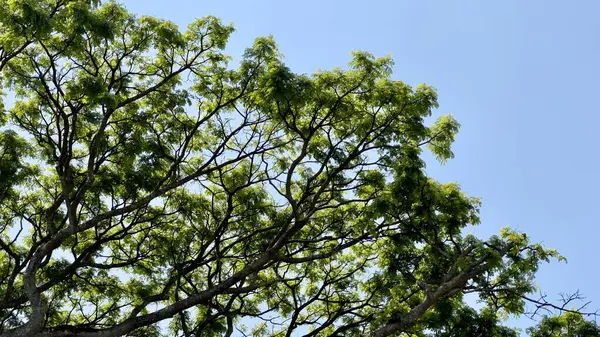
{"type": "Point", "coordinates": [520, 76]}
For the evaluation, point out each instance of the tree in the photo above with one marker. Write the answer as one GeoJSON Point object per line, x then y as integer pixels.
{"type": "Point", "coordinates": [566, 325]}
{"type": "Point", "coordinates": [149, 187]}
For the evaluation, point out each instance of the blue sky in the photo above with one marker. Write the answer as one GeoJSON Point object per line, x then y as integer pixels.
{"type": "Point", "coordinates": [520, 76]}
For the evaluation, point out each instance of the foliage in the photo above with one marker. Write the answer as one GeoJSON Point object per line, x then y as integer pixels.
{"type": "Point", "coordinates": [565, 325]}
{"type": "Point", "coordinates": [144, 180]}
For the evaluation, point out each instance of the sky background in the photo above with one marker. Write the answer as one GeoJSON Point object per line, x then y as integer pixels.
{"type": "Point", "coordinates": [520, 76]}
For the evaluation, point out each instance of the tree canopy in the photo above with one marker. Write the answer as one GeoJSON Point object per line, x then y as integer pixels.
{"type": "Point", "coordinates": [566, 325]}
{"type": "Point", "coordinates": [151, 188]}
